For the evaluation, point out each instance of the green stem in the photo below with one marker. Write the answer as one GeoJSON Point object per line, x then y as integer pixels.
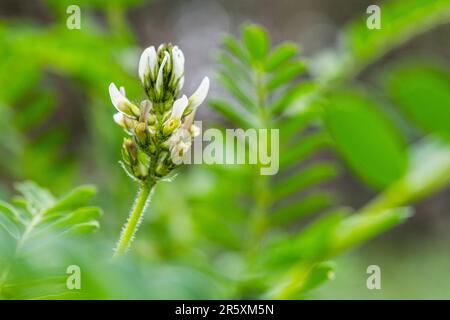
{"type": "Point", "coordinates": [258, 222]}
{"type": "Point", "coordinates": [136, 215]}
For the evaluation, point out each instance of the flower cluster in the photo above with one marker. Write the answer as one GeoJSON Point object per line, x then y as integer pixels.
{"type": "Point", "coordinates": [161, 128]}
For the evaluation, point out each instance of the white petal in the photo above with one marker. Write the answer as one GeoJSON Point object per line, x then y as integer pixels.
{"type": "Point", "coordinates": [179, 106]}
{"type": "Point", "coordinates": [178, 62]}
{"type": "Point", "coordinates": [115, 94]}
{"type": "Point", "coordinates": [180, 83]}
{"type": "Point", "coordinates": [178, 151]}
{"type": "Point", "coordinates": [159, 79]}
{"type": "Point", "coordinates": [147, 62]}
{"type": "Point", "coordinates": [200, 94]}
{"type": "Point", "coordinates": [194, 130]}
{"type": "Point", "coordinates": [119, 118]}
{"type": "Point", "coordinates": [122, 91]}
{"type": "Point", "coordinates": [169, 60]}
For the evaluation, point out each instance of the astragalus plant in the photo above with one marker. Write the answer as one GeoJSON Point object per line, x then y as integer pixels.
{"type": "Point", "coordinates": [160, 129]}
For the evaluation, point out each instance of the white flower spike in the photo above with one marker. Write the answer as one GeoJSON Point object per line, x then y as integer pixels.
{"type": "Point", "coordinates": [162, 126]}
{"type": "Point", "coordinates": [160, 135]}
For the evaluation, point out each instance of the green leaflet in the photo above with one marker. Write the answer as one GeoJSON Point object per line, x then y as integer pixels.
{"type": "Point", "coordinates": [422, 91]}
{"type": "Point", "coordinates": [257, 41]}
{"type": "Point", "coordinates": [365, 138]}
{"type": "Point", "coordinates": [281, 54]}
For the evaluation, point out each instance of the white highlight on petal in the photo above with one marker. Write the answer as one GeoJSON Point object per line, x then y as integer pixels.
{"type": "Point", "coordinates": [200, 94]}
{"type": "Point", "coordinates": [147, 63]}
{"type": "Point", "coordinates": [178, 107]}
{"type": "Point", "coordinates": [159, 79]}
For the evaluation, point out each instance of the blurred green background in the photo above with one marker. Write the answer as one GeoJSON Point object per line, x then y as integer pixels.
{"type": "Point", "coordinates": [57, 130]}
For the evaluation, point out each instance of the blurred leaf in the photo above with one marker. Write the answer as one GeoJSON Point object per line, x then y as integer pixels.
{"type": "Point", "coordinates": [365, 138]}
{"type": "Point", "coordinates": [281, 54]}
{"type": "Point", "coordinates": [36, 198]}
{"type": "Point", "coordinates": [256, 40]}
{"type": "Point", "coordinates": [234, 47]}
{"type": "Point", "coordinates": [307, 205]}
{"type": "Point", "coordinates": [313, 174]}
{"type": "Point", "coordinates": [238, 115]}
{"type": "Point", "coordinates": [423, 92]}
{"type": "Point", "coordinates": [319, 274]}
{"type": "Point", "coordinates": [363, 46]}
{"type": "Point", "coordinates": [285, 73]}
{"type": "Point", "coordinates": [307, 146]}
{"type": "Point", "coordinates": [429, 170]}
{"type": "Point", "coordinates": [400, 22]}
{"type": "Point", "coordinates": [246, 100]}
{"type": "Point", "coordinates": [292, 95]}
{"type": "Point", "coordinates": [9, 225]}
{"type": "Point", "coordinates": [78, 197]}
{"type": "Point", "coordinates": [30, 230]}
{"type": "Point", "coordinates": [47, 212]}
{"type": "Point", "coordinates": [84, 227]}
{"type": "Point", "coordinates": [233, 66]}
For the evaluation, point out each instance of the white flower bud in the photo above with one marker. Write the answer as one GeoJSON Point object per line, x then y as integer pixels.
{"type": "Point", "coordinates": [178, 63]}
{"type": "Point", "coordinates": [148, 64]}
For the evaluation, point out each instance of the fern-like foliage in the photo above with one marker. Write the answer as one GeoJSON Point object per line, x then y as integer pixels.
{"type": "Point", "coordinates": [35, 217]}
{"type": "Point", "coordinates": [262, 82]}
{"type": "Point", "coordinates": [280, 259]}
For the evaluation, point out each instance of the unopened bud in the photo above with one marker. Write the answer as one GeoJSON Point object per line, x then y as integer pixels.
{"type": "Point", "coordinates": [124, 121]}
{"type": "Point", "coordinates": [170, 126]}
{"type": "Point", "coordinates": [141, 132]}
{"type": "Point", "coordinates": [128, 108]}
{"type": "Point", "coordinates": [161, 167]}
{"type": "Point", "coordinates": [129, 151]}
{"type": "Point", "coordinates": [151, 119]}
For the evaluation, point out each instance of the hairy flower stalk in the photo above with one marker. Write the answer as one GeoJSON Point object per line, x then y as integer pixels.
{"type": "Point", "coordinates": [160, 129]}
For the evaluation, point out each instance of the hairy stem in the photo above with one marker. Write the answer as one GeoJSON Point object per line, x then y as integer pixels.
{"type": "Point", "coordinates": [136, 215]}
